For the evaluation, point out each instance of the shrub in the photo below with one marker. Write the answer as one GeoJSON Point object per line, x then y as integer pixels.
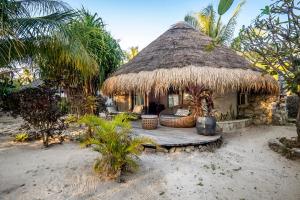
{"type": "Point", "coordinates": [21, 137]}
{"type": "Point", "coordinates": [64, 105]}
{"type": "Point", "coordinates": [39, 106]}
{"type": "Point", "coordinates": [292, 106]}
{"type": "Point", "coordinates": [118, 148]}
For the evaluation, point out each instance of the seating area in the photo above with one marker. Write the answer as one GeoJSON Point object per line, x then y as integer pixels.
{"type": "Point", "coordinates": [177, 117]}
{"type": "Point", "coordinates": [168, 137]}
{"type": "Point", "coordinates": [111, 110]}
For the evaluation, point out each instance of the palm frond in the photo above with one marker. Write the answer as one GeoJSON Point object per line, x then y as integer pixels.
{"type": "Point", "coordinates": [227, 31]}
{"type": "Point", "coordinates": [44, 7]}
{"type": "Point", "coordinates": [192, 20]}
{"type": "Point", "coordinates": [42, 26]}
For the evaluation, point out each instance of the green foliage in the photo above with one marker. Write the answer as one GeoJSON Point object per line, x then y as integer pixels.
{"type": "Point", "coordinates": [7, 84]}
{"type": "Point", "coordinates": [206, 21]}
{"type": "Point", "coordinates": [80, 58]}
{"type": "Point", "coordinates": [64, 105]}
{"type": "Point", "coordinates": [272, 42]}
{"type": "Point", "coordinates": [39, 107]}
{"type": "Point", "coordinates": [71, 119]}
{"type": "Point", "coordinates": [224, 5]}
{"type": "Point", "coordinates": [24, 23]}
{"type": "Point", "coordinates": [21, 137]}
{"type": "Point", "coordinates": [83, 51]}
{"type": "Point", "coordinates": [112, 139]}
{"type": "Point", "coordinates": [133, 51]}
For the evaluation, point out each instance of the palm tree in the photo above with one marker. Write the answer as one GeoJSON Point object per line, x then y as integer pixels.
{"type": "Point", "coordinates": [86, 47]}
{"type": "Point", "coordinates": [23, 22]}
{"type": "Point", "coordinates": [207, 21]}
{"type": "Point", "coordinates": [80, 57]}
{"type": "Point", "coordinates": [133, 51]}
{"type": "Point", "coordinates": [26, 77]}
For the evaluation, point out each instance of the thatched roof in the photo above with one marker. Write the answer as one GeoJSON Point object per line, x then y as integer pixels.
{"type": "Point", "coordinates": [181, 57]}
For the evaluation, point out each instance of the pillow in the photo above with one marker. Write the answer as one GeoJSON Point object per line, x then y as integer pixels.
{"type": "Point", "coordinates": [182, 112]}
{"type": "Point", "coordinates": [111, 109]}
{"type": "Point", "coordinates": [138, 109]}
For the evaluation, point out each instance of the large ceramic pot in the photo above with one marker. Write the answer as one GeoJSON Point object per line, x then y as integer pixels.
{"type": "Point", "coordinates": [206, 126]}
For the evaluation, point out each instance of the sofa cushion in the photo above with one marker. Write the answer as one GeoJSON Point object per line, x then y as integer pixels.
{"type": "Point", "coordinates": [182, 112]}
{"type": "Point", "coordinates": [111, 110]}
{"type": "Point", "coordinates": [170, 117]}
{"type": "Point", "coordinates": [138, 109]}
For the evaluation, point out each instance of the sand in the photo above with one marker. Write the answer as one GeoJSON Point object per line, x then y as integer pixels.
{"type": "Point", "coordinates": [243, 168]}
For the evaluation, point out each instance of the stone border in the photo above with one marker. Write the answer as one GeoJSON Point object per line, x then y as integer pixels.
{"type": "Point", "coordinates": [228, 126]}
{"type": "Point", "coordinates": [211, 147]}
{"type": "Point", "coordinates": [280, 148]}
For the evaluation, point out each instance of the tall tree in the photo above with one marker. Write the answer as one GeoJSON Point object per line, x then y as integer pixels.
{"type": "Point", "coordinates": [210, 24]}
{"type": "Point", "coordinates": [133, 51]}
{"type": "Point", "coordinates": [272, 41]}
{"type": "Point", "coordinates": [25, 21]}
{"type": "Point", "coordinates": [81, 59]}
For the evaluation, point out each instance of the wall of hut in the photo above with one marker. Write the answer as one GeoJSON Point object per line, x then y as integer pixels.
{"type": "Point", "coordinates": [265, 109]}
{"type": "Point", "coordinates": [122, 102]}
{"type": "Point", "coordinates": [225, 106]}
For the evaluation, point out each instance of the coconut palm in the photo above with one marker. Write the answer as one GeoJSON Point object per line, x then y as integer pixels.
{"type": "Point", "coordinates": [87, 48]}
{"type": "Point", "coordinates": [80, 57]}
{"type": "Point", "coordinates": [24, 21]}
{"type": "Point", "coordinates": [133, 51]}
{"type": "Point", "coordinates": [210, 24]}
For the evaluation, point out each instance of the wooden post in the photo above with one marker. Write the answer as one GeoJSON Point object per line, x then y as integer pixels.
{"type": "Point", "coordinates": [130, 101]}
{"type": "Point", "coordinates": [146, 102]}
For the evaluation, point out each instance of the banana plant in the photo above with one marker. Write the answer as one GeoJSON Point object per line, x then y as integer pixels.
{"type": "Point", "coordinates": [206, 22]}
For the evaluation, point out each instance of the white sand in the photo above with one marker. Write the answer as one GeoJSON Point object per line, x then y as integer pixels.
{"type": "Point", "coordinates": [243, 168]}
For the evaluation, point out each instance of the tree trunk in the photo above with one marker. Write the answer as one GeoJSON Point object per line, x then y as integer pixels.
{"type": "Point", "coordinates": [298, 119]}
{"type": "Point", "coordinates": [45, 138]}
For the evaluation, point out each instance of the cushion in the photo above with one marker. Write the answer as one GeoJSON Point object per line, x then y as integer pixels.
{"type": "Point", "coordinates": [169, 117]}
{"type": "Point", "coordinates": [182, 112]}
{"type": "Point", "coordinates": [138, 109]}
{"type": "Point", "coordinates": [111, 109]}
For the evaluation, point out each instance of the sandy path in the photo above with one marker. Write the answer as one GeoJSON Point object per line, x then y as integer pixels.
{"type": "Point", "coordinates": [244, 168]}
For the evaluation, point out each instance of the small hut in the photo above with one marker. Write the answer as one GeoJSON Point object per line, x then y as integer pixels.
{"type": "Point", "coordinates": [182, 56]}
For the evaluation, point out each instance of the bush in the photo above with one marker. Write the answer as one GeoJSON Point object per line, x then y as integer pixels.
{"type": "Point", "coordinates": [64, 105]}
{"type": "Point", "coordinates": [118, 148]}
{"type": "Point", "coordinates": [292, 106]}
{"type": "Point", "coordinates": [39, 106]}
{"type": "Point", "coordinates": [21, 137]}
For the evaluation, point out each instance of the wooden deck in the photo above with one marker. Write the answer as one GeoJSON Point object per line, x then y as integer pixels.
{"type": "Point", "coordinates": [174, 137]}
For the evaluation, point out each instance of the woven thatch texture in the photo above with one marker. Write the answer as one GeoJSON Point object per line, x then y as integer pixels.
{"type": "Point", "coordinates": [180, 57]}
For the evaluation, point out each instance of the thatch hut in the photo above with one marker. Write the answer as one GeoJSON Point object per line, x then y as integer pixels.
{"type": "Point", "coordinates": [183, 56]}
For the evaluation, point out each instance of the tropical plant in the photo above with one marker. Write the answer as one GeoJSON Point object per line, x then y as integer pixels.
{"type": "Point", "coordinates": [26, 77]}
{"type": "Point", "coordinates": [39, 107]}
{"type": "Point", "coordinates": [272, 41]}
{"type": "Point", "coordinates": [25, 23]}
{"type": "Point", "coordinates": [208, 23]}
{"type": "Point", "coordinates": [99, 55]}
{"type": "Point", "coordinates": [133, 51]}
{"type": "Point", "coordinates": [201, 100]}
{"type": "Point", "coordinates": [21, 137]}
{"type": "Point", "coordinates": [118, 148]}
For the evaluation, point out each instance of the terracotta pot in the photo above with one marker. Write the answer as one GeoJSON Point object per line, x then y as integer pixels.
{"type": "Point", "coordinates": [206, 126]}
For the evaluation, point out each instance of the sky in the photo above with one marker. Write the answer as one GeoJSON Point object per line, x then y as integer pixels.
{"type": "Point", "coordinates": [139, 22]}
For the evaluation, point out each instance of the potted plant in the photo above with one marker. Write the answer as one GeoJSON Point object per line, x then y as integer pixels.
{"type": "Point", "coordinates": [201, 100]}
